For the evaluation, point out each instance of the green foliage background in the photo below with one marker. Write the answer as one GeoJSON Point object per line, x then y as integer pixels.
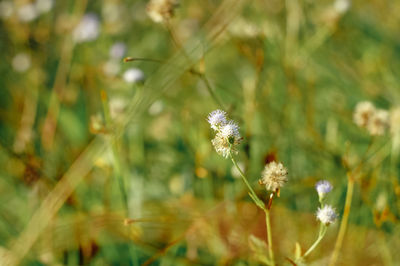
{"type": "Point", "coordinates": [290, 72]}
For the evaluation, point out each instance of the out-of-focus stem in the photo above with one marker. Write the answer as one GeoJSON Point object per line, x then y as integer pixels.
{"type": "Point", "coordinates": [116, 159]}
{"type": "Point", "coordinates": [345, 220]}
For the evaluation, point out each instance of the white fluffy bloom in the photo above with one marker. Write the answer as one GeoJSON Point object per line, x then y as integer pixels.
{"type": "Point", "coordinates": [323, 187]}
{"type": "Point", "coordinates": [44, 6]}
{"type": "Point", "coordinates": [88, 29]}
{"type": "Point", "coordinates": [327, 215]}
{"type": "Point", "coordinates": [217, 118]}
{"type": "Point", "coordinates": [342, 6]}
{"type": "Point", "coordinates": [161, 10]}
{"type": "Point", "coordinates": [27, 13]}
{"type": "Point", "coordinates": [378, 122]}
{"type": "Point", "coordinates": [363, 113]}
{"type": "Point", "coordinates": [21, 62]}
{"type": "Point", "coordinates": [230, 130]}
{"type": "Point", "coordinates": [133, 75]}
{"type": "Point", "coordinates": [227, 137]}
{"type": "Point", "coordinates": [274, 176]}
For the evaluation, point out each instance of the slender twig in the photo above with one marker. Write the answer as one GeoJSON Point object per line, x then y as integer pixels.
{"type": "Point", "coordinates": [321, 234]}
{"type": "Point", "coordinates": [345, 219]}
{"type": "Point", "coordinates": [261, 205]}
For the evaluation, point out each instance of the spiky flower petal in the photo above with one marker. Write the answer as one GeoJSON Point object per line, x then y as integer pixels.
{"type": "Point", "coordinates": [274, 176]}
{"type": "Point", "coordinates": [217, 119]}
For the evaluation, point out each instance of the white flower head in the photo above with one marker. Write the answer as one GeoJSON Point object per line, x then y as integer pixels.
{"type": "Point", "coordinates": [44, 6]}
{"type": "Point", "coordinates": [323, 187]}
{"type": "Point", "coordinates": [217, 119]}
{"type": "Point", "coordinates": [88, 28]}
{"type": "Point", "coordinates": [363, 113]}
{"type": "Point", "coordinates": [342, 6]}
{"type": "Point", "coordinates": [327, 215]}
{"type": "Point", "coordinates": [230, 130]}
{"type": "Point", "coordinates": [274, 176]}
{"type": "Point", "coordinates": [21, 62]}
{"type": "Point", "coordinates": [161, 10]}
{"type": "Point", "coordinates": [133, 75]}
{"type": "Point", "coordinates": [27, 13]}
{"type": "Point", "coordinates": [378, 123]}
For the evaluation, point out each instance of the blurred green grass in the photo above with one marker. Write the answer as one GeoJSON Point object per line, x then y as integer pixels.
{"type": "Point", "coordinates": [290, 72]}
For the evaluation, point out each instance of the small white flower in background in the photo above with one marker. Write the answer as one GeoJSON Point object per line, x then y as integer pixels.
{"type": "Point", "coordinates": [88, 28]}
{"type": "Point", "coordinates": [323, 187]}
{"type": "Point", "coordinates": [117, 107]}
{"type": "Point", "coordinates": [6, 9]}
{"type": "Point", "coordinates": [133, 75]}
{"type": "Point", "coordinates": [342, 6]}
{"type": "Point", "coordinates": [363, 113]}
{"type": "Point", "coordinates": [27, 13]}
{"type": "Point", "coordinates": [111, 68]}
{"type": "Point", "coordinates": [21, 62]}
{"type": "Point", "coordinates": [161, 10]}
{"type": "Point", "coordinates": [274, 176]}
{"type": "Point", "coordinates": [378, 123]}
{"type": "Point", "coordinates": [217, 118]}
{"type": "Point", "coordinates": [44, 6]}
{"type": "Point", "coordinates": [117, 50]}
{"type": "Point", "coordinates": [327, 215]}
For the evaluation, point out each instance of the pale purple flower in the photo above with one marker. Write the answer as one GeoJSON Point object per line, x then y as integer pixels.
{"type": "Point", "coordinates": [217, 119]}
{"type": "Point", "coordinates": [323, 187]}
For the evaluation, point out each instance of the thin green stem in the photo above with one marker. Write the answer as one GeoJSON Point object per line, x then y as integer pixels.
{"type": "Point", "coordinates": [253, 194]}
{"type": "Point", "coordinates": [269, 237]}
{"type": "Point", "coordinates": [261, 205]}
{"type": "Point", "coordinates": [321, 234]}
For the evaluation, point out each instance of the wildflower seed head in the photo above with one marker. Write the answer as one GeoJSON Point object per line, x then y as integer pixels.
{"type": "Point", "coordinates": [323, 187]}
{"type": "Point", "coordinates": [363, 113]}
{"type": "Point", "coordinates": [274, 176]}
{"type": "Point", "coordinates": [161, 10]}
{"type": "Point", "coordinates": [223, 145]}
{"type": "Point", "coordinates": [217, 119]}
{"type": "Point", "coordinates": [378, 123]}
{"type": "Point", "coordinates": [326, 215]}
